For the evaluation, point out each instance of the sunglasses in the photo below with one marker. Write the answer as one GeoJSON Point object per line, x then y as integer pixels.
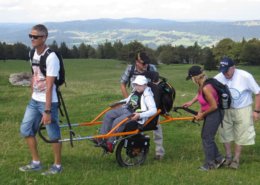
{"type": "Point", "coordinates": [35, 36]}
{"type": "Point", "coordinates": [143, 63]}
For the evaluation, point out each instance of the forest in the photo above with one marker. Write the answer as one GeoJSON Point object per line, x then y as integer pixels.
{"type": "Point", "coordinates": [246, 52]}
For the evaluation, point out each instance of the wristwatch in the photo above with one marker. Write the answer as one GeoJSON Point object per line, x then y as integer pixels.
{"type": "Point", "coordinates": [257, 111]}
{"type": "Point", "coordinates": [47, 111]}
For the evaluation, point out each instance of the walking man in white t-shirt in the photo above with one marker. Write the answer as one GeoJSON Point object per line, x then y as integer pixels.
{"type": "Point", "coordinates": [238, 121]}
{"type": "Point", "coordinates": [43, 106]}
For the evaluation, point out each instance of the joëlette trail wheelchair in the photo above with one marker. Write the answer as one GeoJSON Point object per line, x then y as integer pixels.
{"type": "Point", "coordinates": [133, 146]}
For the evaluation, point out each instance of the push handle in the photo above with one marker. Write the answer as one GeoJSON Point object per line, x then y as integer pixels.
{"type": "Point", "coordinates": [40, 134]}
{"type": "Point", "coordinates": [186, 109]}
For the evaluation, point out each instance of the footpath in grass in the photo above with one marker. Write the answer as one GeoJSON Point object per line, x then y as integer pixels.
{"type": "Point", "coordinates": [93, 85]}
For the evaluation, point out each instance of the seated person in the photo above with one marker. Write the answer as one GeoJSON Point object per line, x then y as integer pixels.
{"type": "Point", "coordinates": [140, 103]}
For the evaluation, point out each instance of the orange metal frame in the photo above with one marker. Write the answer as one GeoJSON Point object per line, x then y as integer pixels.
{"type": "Point", "coordinates": [111, 134]}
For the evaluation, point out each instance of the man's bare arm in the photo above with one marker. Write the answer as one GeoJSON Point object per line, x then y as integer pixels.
{"type": "Point", "coordinates": [124, 91]}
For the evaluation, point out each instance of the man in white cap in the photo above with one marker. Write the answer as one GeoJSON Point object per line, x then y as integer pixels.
{"type": "Point", "coordinates": [140, 103]}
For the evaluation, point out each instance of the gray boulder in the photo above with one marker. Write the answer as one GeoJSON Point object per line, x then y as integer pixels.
{"type": "Point", "coordinates": [21, 79]}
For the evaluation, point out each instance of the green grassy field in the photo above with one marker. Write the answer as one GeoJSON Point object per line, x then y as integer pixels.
{"type": "Point", "coordinates": [93, 85]}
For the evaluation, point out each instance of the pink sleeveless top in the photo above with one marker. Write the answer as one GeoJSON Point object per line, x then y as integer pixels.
{"type": "Point", "coordinates": [204, 104]}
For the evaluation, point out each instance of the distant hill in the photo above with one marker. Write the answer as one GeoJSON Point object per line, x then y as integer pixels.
{"type": "Point", "coordinates": [153, 32]}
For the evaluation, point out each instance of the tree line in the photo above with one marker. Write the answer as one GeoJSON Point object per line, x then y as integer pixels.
{"type": "Point", "coordinates": [247, 52]}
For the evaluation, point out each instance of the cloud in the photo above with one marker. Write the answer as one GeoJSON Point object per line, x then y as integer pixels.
{"type": "Point", "coordinates": [68, 13]}
{"type": "Point", "coordinates": [8, 2]}
{"type": "Point", "coordinates": [177, 6]}
{"type": "Point", "coordinates": [66, 10]}
{"type": "Point", "coordinates": [15, 8]}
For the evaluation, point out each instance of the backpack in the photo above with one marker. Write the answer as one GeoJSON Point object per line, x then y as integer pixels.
{"type": "Point", "coordinates": [42, 64]}
{"type": "Point", "coordinates": [221, 89]}
{"type": "Point", "coordinates": [168, 92]}
{"type": "Point", "coordinates": [167, 97]}
{"type": "Point", "coordinates": [132, 73]}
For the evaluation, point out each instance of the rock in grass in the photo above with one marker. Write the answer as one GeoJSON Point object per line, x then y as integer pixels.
{"type": "Point", "coordinates": [21, 79]}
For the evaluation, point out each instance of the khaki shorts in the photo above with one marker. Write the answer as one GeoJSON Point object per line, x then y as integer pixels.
{"type": "Point", "coordinates": [238, 126]}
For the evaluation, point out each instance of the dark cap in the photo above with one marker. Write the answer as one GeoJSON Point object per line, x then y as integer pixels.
{"type": "Point", "coordinates": [194, 71]}
{"type": "Point", "coordinates": [225, 64]}
{"type": "Point", "coordinates": [142, 57]}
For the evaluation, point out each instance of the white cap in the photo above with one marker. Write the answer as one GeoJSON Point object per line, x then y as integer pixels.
{"type": "Point", "coordinates": [140, 80]}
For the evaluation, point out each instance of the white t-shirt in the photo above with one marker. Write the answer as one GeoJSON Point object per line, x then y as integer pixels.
{"type": "Point", "coordinates": [39, 83]}
{"type": "Point", "coordinates": [241, 86]}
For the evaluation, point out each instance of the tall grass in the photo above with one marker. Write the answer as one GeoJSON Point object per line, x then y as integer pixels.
{"type": "Point", "coordinates": [93, 85]}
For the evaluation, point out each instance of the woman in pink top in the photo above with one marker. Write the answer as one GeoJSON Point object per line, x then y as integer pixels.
{"type": "Point", "coordinates": [208, 112]}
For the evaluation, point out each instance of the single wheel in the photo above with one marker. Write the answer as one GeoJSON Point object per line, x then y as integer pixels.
{"type": "Point", "coordinates": [127, 157]}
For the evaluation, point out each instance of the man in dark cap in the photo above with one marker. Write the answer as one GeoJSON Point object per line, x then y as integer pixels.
{"type": "Point", "coordinates": [238, 122]}
{"type": "Point", "coordinates": [141, 65]}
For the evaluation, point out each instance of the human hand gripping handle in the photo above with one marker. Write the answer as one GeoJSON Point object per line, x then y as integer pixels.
{"type": "Point", "coordinates": [46, 119]}
{"type": "Point", "coordinates": [200, 116]}
{"type": "Point", "coordinates": [188, 104]}
{"type": "Point", "coordinates": [40, 134]}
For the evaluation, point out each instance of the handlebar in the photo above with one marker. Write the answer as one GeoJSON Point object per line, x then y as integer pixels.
{"type": "Point", "coordinates": [43, 138]}
{"type": "Point", "coordinates": [41, 127]}
{"type": "Point", "coordinates": [186, 109]}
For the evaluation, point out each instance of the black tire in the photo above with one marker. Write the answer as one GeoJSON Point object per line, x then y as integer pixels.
{"type": "Point", "coordinates": [128, 157]}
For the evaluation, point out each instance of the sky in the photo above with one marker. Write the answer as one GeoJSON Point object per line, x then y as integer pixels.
{"type": "Point", "coordinates": [40, 11]}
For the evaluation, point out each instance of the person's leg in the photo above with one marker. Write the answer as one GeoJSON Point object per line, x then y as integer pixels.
{"type": "Point", "coordinates": [244, 132]}
{"type": "Point", "coordinates": [226, 135]}
{"type": "Point", "coordinates": [31, 143]}
{"type": "Point", "coordinates": [53, 130]}
{"type": "Point", "coordinates": [108, 120]}
{"type": "Point", "coordinates": [28, 129]}
{"type": "Point", "coordinates": [238, 150]}
{"type": "Point", "coordinates": [208, 133]}
{"type": "Point", "coordinates": [121, 128]}
{"type": "Point", "coordinates": [219, 159]}
{"type": "Point", "coordinates": [57, 153]}
{"type": "Point", "coordinates": [158, 141]}
{"type": "Point", "coordinates": [227, 147]}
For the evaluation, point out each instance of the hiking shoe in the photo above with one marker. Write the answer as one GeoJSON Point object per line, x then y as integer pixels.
{"type": "Point", "coordinates": [109, 147]}
{"type": "Point", "coordinates": [227, 162]}
{"type": "Point", "coordinates": [31, 167]}
{"type": "Point", "coordinates": [206, 169]}
{"type": "Point", "coordinates": [94, 140]}
{"type": "Point", "coordinates": [218, 164]}
{"type": "Point", "coordinates": [98, 142]}
{"type": "Point", "coordinates": [234, 165]}
{"type": "Point", "coordinates": [53, 170]}
{"type": "Point", "coordinates": [158, 157]}
{"type": "Point", "coordinates": [203, 168]}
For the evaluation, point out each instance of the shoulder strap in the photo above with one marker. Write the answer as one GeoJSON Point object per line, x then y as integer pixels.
{"type": "Point", "coordinates": [31, 54]}
{"type": "Point", "coordinates": [208, 81]}
{"type": "Point", "coordinates": [131, 74]}
{"type": "Point", "coordinates": [43, 61]}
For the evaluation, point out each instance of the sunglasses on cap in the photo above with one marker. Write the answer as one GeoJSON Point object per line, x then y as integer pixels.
{"type": "Point", "coordinates": [144, 63]}
{"type": "Point", "coordinates": [35, 36]}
